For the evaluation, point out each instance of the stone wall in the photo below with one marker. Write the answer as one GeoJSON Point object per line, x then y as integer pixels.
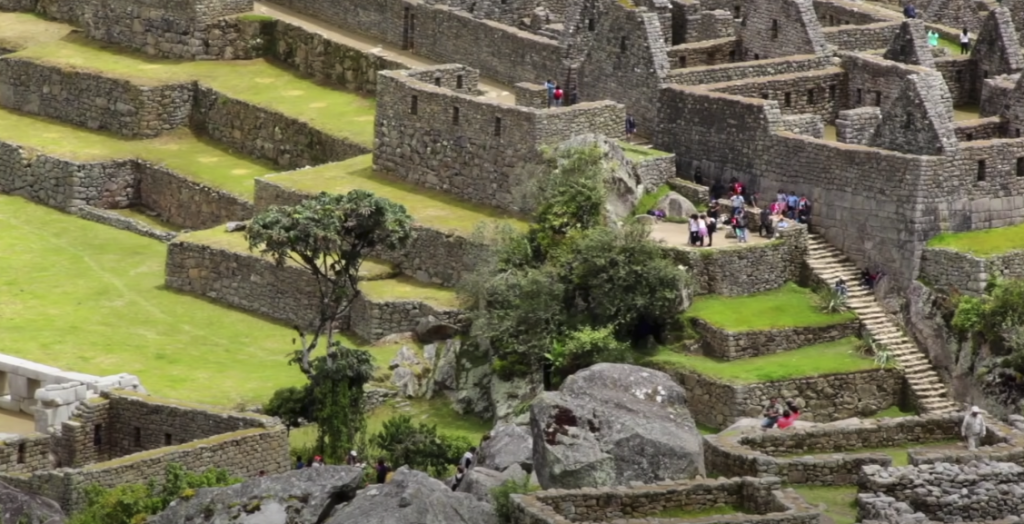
{"type": "Point", "coordinates": [375, 320]}
{"type": "Point", "coordinates": [861, 37]}
{"type": "Point", "coordinates": [813, 92]}
{"type": "Point", "coordinates": [92, 100]}
{"type": "Point", "coordinates": [732, 345]}
{"type": "Point", "coordinates": [705, 53]}
{"type": "Point", "coordinates": [64, 184]}
{"type": "Point", "coordinates": [187, 204]}
{"type": "Point", "coordinates": [727, 271]}
{"type": "Point", "coordinates": [994, 94]}
{"type": "Point", "coordinates": [25, 453]}
{"type": "Point", "coordinates": [872, 81]}
{"type": "Point", "coordinates": [115, 220]}
{"type": "Point", "coordinates": [780, 29]}
{"type": "Point", "coordinates": [470, 147]}
{"type": "Point", "coordinates": [763, 499]}
{"type": "Point", "coordinates": [979, 129]}
{"type": "Point", "coordinates": [731, 72]}
{"type": "Point", "coordinates": [831, 13]}
{"type": "Point", "coordinates": [266, 134]}
{"type": "Point", "coordinates": [434, 256]}
{"type": "Point", "coordinates": [945, 267]}
{"type": "Point", "coordinates": [825, 398]}
{"type": "Point", "coordinates": [958, 73]}
{"type": "Point", "coordinates": [655, 171]}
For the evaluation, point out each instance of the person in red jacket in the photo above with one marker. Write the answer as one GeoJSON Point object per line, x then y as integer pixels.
{"type": "Point", "coordinates": [558, 95]}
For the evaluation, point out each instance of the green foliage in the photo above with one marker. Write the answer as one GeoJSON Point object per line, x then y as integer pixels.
{"type": "Point", "coordinates": [419, 446]}
{"type": "Point", "coordinates": [886, 359]}
{"type": "Point", "coordinates": [649, 200]}
{"type": "Point", "coordinates": [572, 196]}
{"type": "Point", "coordinates": [995, 318]}
{"type": "Point", "coordinates": [583, 348]}
{"type": "Point", "coordinates": [970, 314]}
{"type": "Point", "coordinates": [291, 405]}
{"type": "Point", "coordinates": [502, 495]}
{"type": "Point", "coordinates": [831, 301]}
{"type": "Point", "coordinates": [132, 503]}
{"type": "Point", "coordinates": [337, 399]}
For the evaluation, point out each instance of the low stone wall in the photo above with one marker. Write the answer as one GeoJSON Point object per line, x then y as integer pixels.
{"type": "Point", "coordinates": [434, 256]}
{"type": "Point", "coordinates": [861, 37]}
{"type": "Point", "coordinates": [63, 184]}
{"type": "Point", "coordinates": [970, 274]}
{"type": "Point", "coordinates": [979, 129]}
{"type": "Point", "coordinates": [375, 320]}
{"type": "Point", "coordinates": [730, 271]}
{"type": "Point", "coordinates": [109, 218]}
{"type": "Point", "coordinates": [732, 345]}
{"type": "Point", "coordinates": [995, 93]}
{"type": "Point", "coordinates": [824, 398]}
{"type": "Point", "coordinates": [25, 453]}
{"type": "Point", "coordinates": [187, 204]}
{"type": "Point", "coordinates": [704, 53]}
{"type": "Point", "coordinates": [92, 100]}
{"type": "Point", "coordinates": [657, 170]}
{"type": "Point", "coordinates": [265, 134]}
{"type": "Point", "coordinates": [762, 498]}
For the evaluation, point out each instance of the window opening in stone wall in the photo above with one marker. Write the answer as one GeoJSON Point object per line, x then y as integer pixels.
{"type": "Point", "coordinates": [1020, 167]}
{"type": "Point", "coordinates": [682, 61]}
{"type": "Point", "coordinates": [497, 126]}
{"type": "Point", "coordinates": [503, 2]}
{"type": "Point", "coordinates": [860, 96]}
{"type": "Point", "coordinates": [4, 387]}
{"type": "Point", "coordinates": [137, 437]}
{"type": "Point", "coordinates": [981, 170]}
{"type": "Point", "coordinates": [878, 98]}
{"type": "Point", "coordinates": [787, 99]}
{"type": "Point", "coordinates": [984, 74]}
{"type": "Point", "coordinates": [970, 136]}
{"type": "Point", "coordinates": [167, 439]}
{"type": "Point", "coordinates": [458, 81]}
{"type": "Point", "coordinates": [764, 95]}
{"type": "Point", "coordinates": [472, 8]}
{"type": "Point", "coordinates": [959, 74]}
{"type": "Point", "coordinates": [97, 435]}
{"type": "Point", "coordinates": [831, 20]}
{"type": "Point", "coordinates": [590, 25]}
{"type": "Point", "coordinates": [1018, 132]}
{"type": "Point", "coordinates": [757, 56]}
{"type": "Point", "coordinates": [455, 116]}
{"type": "Point", "coordinates": [622, 44]}
{"type": "Point", "coordinates": [775, 29]}
{"type": "Point", "coordinates": [810, 97]}
{"type": "Point", "coordinates": [437, 81]}
{"type": "Point", "coordinates": [732, 55]}
{"type": "Point", "coordinates": [831, 93]}
{"type": "Point", "coordinates": [415, 106]}
{"type": "Point", "coordinates": [21, 447]}
{"type": "Point", "coordinates": [737, 10]}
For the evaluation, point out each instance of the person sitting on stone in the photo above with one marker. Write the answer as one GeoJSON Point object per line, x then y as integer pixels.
{"type": "Point", "coordinates": [840, 287]}
{"type": "Point", "coordinates": [787, 419]}
{"type": "Point", "coordinates": [973, 429]}
{"type": "Point", "coordinates": [772, 411]}
{"type": "Point", "coordinates": [793, 407]}
{"type": "Point", "coordinates": [459, 475]}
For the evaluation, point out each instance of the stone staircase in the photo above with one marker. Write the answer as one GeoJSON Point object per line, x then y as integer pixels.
{"type": "Point", "coordinates": [829, 264]}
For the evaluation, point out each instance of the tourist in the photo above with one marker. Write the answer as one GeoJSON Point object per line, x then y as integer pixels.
{"type": "Point", "coordinates": [771, 414]}
{"type": "Point", "coordinates": [737, 203]}
{"type": "Point", "coordinates": [792, 406]}
{"type": "Point", "coordinates": [712, 227]}
{"type": "Point", "coordinates": [694, 230]}
{"type": "Point", "coordinates": [765, 227]}
{"type": "Point", "coordinates": [739, 225]}
{"type": "Point", "coordinates": [714, 211]}
{"type": "Point", "coordinates": [630, 128]}
{"type": "Point", "coordinates": [298, 463]}
{"type": "Point", "coordinates": [717, 191]}
{"type": "Point", "coordinates": [551, 91]}
{"type": "Point", "coordinates": [459, 475]}
{"type": "Point", "coordinates": [382, 471]}
{"type": "Point", "coordinates": [737, 187]}
{"type": "Point", "coordinates": [909, 11]}
{"type": "Point", "coordinates": [792, 201]}
{"type": "Point", "coordinates": [786, 420]}
{"type": "Point", "coordinates": [702, 228]}
{"type": "Point", "coordinates": [352, 459]}
{"type": "Point", "coordinates": [262, 473]}
{"type": "Point", "coordinates": [973, 428]}
{"type": "Point", "coordinates": [780, 197]}
{"type": "Point", "coordinates": [557, 95]}
{"type": "Point", "coordinates": [840, 287]}
{"type": "Point", "coordinates": [698, 177]}
{"type": "Point", "coordinates": [933, 38]}
{"type": "Point", "coordinates": [318, 462]}
{"type": "Point", "coordinates": [803, 210]}
{"type": "Point", "coordinates": [965, 42]}
{"type": "Point", "coordinates": [467, 459]}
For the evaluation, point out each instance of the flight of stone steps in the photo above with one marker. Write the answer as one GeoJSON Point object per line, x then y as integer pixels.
{"type": "Point", "coordinates": [829, 264]}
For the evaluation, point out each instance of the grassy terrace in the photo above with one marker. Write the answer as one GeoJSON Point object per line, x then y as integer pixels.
{"type": "Point", "coordinates": [430, 208]}
{"type": "Point", "coordinates": [86, 297]}
{"type": "Point", "coordinates": [898, 453]}
{"type": "Point", "coordinates": [983, 243]}
{"type": "Point", "coordinates": [840, 501]}
{"type": "Point", "coordinates": [789, 306]}
{"type": "Point", "coordinates": [182, 151]}
{"type": "Point", "coordinates": [639, 153]}
{"type": "Point", "coordinates": [259, 82]}
{"type": "Point", "coordinates": [21, 30]}
{"type": "Point", "coordinates": [830, 358]}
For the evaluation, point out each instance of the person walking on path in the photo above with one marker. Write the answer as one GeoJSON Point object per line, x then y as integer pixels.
{"type": "Point", "coordinates": [973, 428]}
{"type": "Point", "coordinates": [467, 459]}
{"type": "Point", "coordinates": [630, 128]}
{"type": "Point", "coordinates": [965, 42]}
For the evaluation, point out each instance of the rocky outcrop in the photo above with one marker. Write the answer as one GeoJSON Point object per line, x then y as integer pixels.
{"type": "Point", "coordinates": [479, 481]}
{"type": "Point", "coordinates": [413, 497]}
{"type": "Point", "coordinates": [612, 424]}
{"type": "Point", "coordinates": [624, 182]}
{"type": "Point", "coordinates": [303, 496]}
{"type": "Point", "coordinates": [505, 446]}
{"type": "Point", "coordinates": [17, 507]}
{"type": "Point", "coordinates": [676, 206]}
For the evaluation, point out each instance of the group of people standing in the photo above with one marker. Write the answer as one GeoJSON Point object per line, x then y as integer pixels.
{"type": "Point", "coordinates": [910, 12]}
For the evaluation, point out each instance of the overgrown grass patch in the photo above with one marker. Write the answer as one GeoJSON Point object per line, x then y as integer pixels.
{"type": "Point", "coordinates": [638, 153]}
{"type": "Point", "coordinates": [340, 113]}
{"type": "Point", "coordinates": [182, 151]}
{"type": "Point", "coordinates": [430, 208]}
{"type": "Point", "coordinates": [898, 453]}
{"type": "Point", "coordinates": [408, 288]}
{"type": "Point", "coordinates": [895, 412]}
{"type": "Point", "coordinates": [789, 306]}
{"type": "Point", "coordinates": [21, 30]}
{"type": "Point", "coordinates": [682, 513]}
{"type": "Point", "coordinates": [984, 242]}
{"type": "Point", "coordinates": [840, 501]}
{"type": "Point", "coordinates": [831, 358]}
{"type": "Point", "coordinates": [649, 200]}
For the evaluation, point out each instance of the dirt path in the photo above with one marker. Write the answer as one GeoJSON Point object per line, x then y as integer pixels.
{"type": "Point", "coordinates": [678, 235]}
{"type": "Point", "coordinates": [492, 89]}
{"type": "Point", "coordinates": [17, 423]}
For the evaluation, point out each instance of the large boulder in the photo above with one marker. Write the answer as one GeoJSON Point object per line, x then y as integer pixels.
{"type": "Point", "coordinates": [612, 424]}
{"type": "Point", "coordinates": [17, 507]}
{"type": "Point", "coordinates": [430, 329]}
{"type": "Point", "coordinates": [413, 497]}
{"type": "Point", "coordinates": [507, 445]}
{"type": "Point", "coordinates": [296, 497]}
{"type": "Point", "coordinates": [624, 183]}
{"type": "Point", "coordinates": [675, 205]}
{"type": "Point", "coordinates": [511, 397]}
{"type": "Point", "coordinates": [479, 481]}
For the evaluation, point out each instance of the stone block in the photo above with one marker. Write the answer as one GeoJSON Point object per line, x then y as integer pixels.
{"type": "Point", "coordinates": [9, 404]}
{"type": "Point", "coordinates": [18, 386]}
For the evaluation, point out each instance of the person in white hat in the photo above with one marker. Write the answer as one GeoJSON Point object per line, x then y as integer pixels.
{"type": "Point", "coordinates": [973, 428]}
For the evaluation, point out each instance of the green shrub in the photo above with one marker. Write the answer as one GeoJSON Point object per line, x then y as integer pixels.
{"type": "Point", "coordinates": [502, 495]}
{"type": "Point", "coordinates": [831, 301]}
{"type": "Point", "coordinates": [419, 446]}
{"type": "Point", "coordinates": [649, 200]}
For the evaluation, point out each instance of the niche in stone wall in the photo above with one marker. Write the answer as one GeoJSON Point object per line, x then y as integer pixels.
{"type": "Point", "coordinates": [137, 437]}
{"type": "Point", "coordinates": [810, 97]}
{"type": "Point", "coordinates": [622, 44]}
{"type": "Point", "coordinates": [831, 93]}
{"type": "Point", "coordinates": [497, 126]}
{"type": "Point", "coordinates": [414, 106]}
{"type": "Point", "coordinates": [788, 99]}
{"type": "Point", "coordinates": [97, 435]}
{"type": "Point", "coordinates": [590, 25]}
{"type": "Point", "coordinates": [167, 439]}
{"type": "Point", "coordinates": [775, 29]}
{"type": "Point", "coordinates": [455, 116]}
{"type": "Point", "coordinates": [21, 453]}
{"type": "Point", "coordinates": [682, 61]}
{"type": "Point", "coordinates": [981, 170]}
{"type": "Point", "coordinates": [1020, 165]}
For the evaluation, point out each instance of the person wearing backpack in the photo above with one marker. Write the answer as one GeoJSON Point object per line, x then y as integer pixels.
{"type": "Point", "coordinates": [558, 95]}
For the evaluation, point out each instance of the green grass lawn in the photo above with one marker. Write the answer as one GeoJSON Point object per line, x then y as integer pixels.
{"type": "Point", "coordinates": [649, 200]}
{"type": "Point", "coordinates": [638, 153]}
{"type": "Point", "coordinates": [983, 243]}
{"type": "Point", "coordinates": [894, 412]}
{"type": "Point", "coordinates": [898, 453]}
{"type": "Point", "coordinates": [681, 513]}
{"type": "Point", "coordinates": [21, 30]}
{"type": "Point", "coordinates": [408, 288]}
{"type": "Point", "coordinates": [785, 307]}
{"type": "Point", "coordinates": [430, 208]}
{"type": "Point", "coordinates": [822, 359]}
{"type": "Point", "coordinates": [89, 298]}
{"type": "Point", "coordinates": [197, 158]}
{"type": "Point", "coordinates": [260, 82]}
{"type": "Point", "coordinates": [840, 501]}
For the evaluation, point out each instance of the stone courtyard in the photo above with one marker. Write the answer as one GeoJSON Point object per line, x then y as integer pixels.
{"type": "Point", "coordinates": [180, 121]}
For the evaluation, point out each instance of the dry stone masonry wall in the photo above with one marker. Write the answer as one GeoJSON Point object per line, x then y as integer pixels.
{"type": "Point", "coordinates": [946, 267]}
{"type": "Point", "coordinates": [732, 345]}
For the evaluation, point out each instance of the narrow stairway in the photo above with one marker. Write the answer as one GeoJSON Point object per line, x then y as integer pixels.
{"type": "Point", "coordinates": [829, 264]}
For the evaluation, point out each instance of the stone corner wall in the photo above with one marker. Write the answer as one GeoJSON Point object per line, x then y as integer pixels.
{"type": "Point", "coordinates": [64, 184]}
{"type": "Point", "coordinates": [951, 268]}
{"type": "Point", "coordinates": [109, 218]}
{"type": "Point", "coordinates": [728, 345]}
{"type": "Point", "coordinates": [185, 203]}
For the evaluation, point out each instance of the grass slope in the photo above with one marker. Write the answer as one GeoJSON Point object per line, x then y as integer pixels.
{"type": "Point", "coordinates": [785, 307]}
{"type": "Point", "coordinates": [840, 501]}
{"type": "Point", "coordinates": [821, 359]}
{"type": "Point", "coordinates": [197, 158]}
{"type": "Point", "coordinates": [259, 82]}
{"type": "Point", "coordinates": [408, 288]}
{"type": "Point", "coordinates": [982, 243]}
{"type": "Point", "coordinates": [21, 30]}
{"type": "Point", "coordinates": [430, 208]}
{"type": "Point", "coordinates": [90, 298]}
{"type": "Point", "coordinates": [638, 153]}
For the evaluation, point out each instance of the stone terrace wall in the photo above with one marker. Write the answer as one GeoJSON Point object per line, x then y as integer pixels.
{"type": "Point", "coordinates": [979, 129]}
{"type": "Point", "coordinates": [762, 497]}
{"type": "Point", "coordinates": [375, 320]}
{"type": "Point", "coordinates": [93, 101]}
{"type": "Point", "coordinates": [469, 147]}
{"type": "Point", "coordinates": [958, 72]}
{"type": "Point", "coordinates": [994, 94]}
{"type": "Point", "coordinates": [432, 256]}
{"type": "Point", "coordinates": [950, 268]}
{"type": "Point", "coordinates": [187, 204]}
{"type": "Point", "coordinates": [861, 37]}
{"type": "Point", "coordinates": [824, 398]}
{"type": "Point", "coordinates": [265, 134]}
{"type": "Point", "coordinates": [112, 219]}
{"type": "Point", "coordinates": [728, 345]}
{"type": "Point", "coordinates": [25, 454]}
{"type": "Point", "coordinates": [811, 92]}
{"type": "Point", "coordinates": [732, 72]}
{"type": "Point", "coordinates": [728, 271]}
{"type": "Point", "coordinates": [831, 13]}
{"type": "Point", "coordinates": [63, 184]}
{"type": "Point", "coordinates": [872, 81]}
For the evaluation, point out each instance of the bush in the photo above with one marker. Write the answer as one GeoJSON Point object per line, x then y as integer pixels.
{"type": "Point", "coordinates": [831, 301]}
{"type": "Point", "coordinates": [502, 495]}
{"type": "Point", "coordinates": [649, 200]}
{"type": "Point", "coordinates": [419, 446]}
{"type": "Point", "coordinates": [583, 348]}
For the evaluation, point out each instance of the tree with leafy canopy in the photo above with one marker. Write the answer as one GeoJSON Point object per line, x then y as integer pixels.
{"type": "Point", "coordinates": [329, 236]}
{"type": "Point", "coordinates": [418, 445]}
